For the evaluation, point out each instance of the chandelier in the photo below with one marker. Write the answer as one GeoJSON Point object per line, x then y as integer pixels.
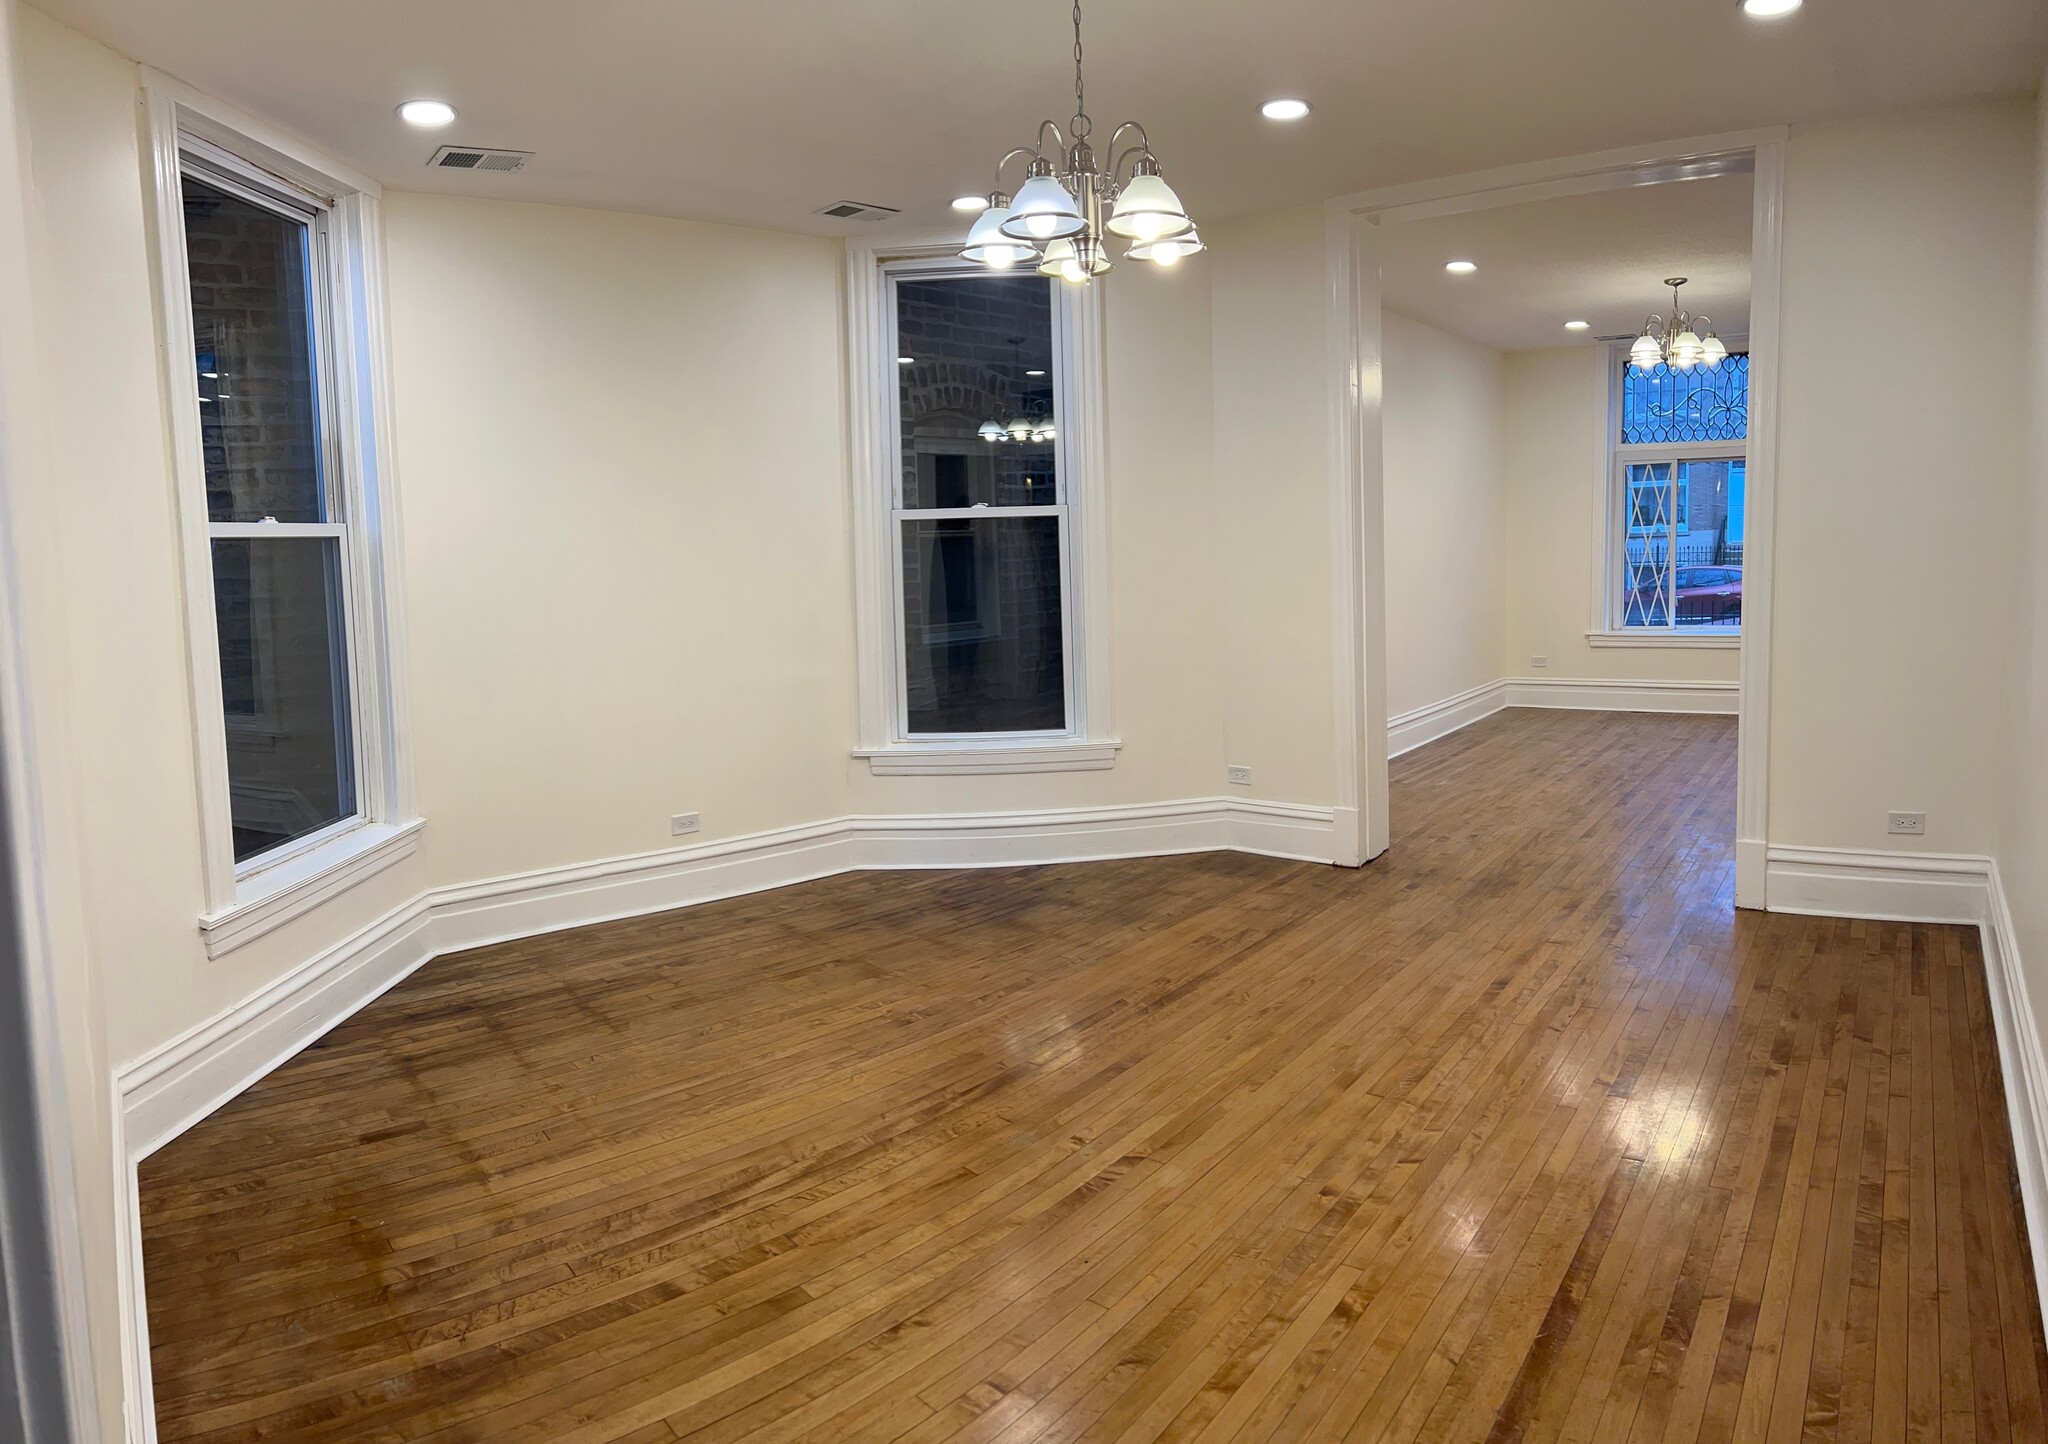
{"type": "Point", "coordinates": [1677, 342]}
{"type": "Point", "coordinates": [1068, 206]}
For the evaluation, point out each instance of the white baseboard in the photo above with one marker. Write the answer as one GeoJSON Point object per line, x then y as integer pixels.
{"type": "Point", "coordinates": [1906, 887]}
{"type": "Point", "coordinates": [1424, 725]}
{"type": "Point", "coordinates": [2024, 1069]}
{"type": "Point", "coordinates": [1946, 888]}
{"type": "Point", "coordinates": [1625, 695]}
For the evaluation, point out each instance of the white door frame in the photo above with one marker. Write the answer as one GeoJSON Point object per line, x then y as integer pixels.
{"type": "Point", "coordinates": [1352, 230]}
{"type": "Point", "coordinates": [48, 1385]}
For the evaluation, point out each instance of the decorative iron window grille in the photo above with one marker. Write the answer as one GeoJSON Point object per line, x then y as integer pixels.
{"type": "Point", "coordinates": [1702, 403]}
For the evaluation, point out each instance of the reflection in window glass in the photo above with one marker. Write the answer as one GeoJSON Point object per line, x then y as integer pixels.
{"type": "Point", "coordinates": [284, 687]}
{"type": "Point", "coordinates": [253, 328]}
{"type": "Point", "coordinates": [983, 646]}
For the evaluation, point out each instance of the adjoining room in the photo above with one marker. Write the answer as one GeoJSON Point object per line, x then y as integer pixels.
{"type": "Point", "coordinates": [1103, 722]}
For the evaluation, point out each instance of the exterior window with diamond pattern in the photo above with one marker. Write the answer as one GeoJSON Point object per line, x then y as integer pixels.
{"type": "Point", "coordinates": [1678, 484]}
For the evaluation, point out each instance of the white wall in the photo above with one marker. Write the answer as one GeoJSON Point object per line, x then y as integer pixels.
{"type": "Point", "coordinates": [1898, 553]}
{"type": "Point", "coordinates": [1554, 450]}
{"type": "Point", "coordinates": [621, 464]}
{"type": "Point", "coordinates": [1272, 501]}
{"type": "Point", "coordinates": [1446, 517]}
{"type": "Point", "coordinates": [2023, 863]}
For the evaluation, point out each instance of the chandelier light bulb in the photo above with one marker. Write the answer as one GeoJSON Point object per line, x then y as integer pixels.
{"type": "Point", "coordinates": [992, 431]}
{"type": "Point", "coordinates": [1167, 252]}
{"type": "Point", "coordinates": [1714, 352]}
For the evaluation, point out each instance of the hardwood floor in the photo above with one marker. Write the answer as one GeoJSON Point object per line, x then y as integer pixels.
{"type": "Point", "coordinates": [1520, 1133]}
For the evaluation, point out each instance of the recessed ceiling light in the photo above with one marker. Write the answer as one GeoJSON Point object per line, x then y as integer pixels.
{"type": "Point", "coordinates": [906, 360]}
{"type": "Point", "coordinates": [970, 203]}
{"type": "Point", "coordinates": [1461, 268]}
{"type": "Point", "coordinates": [427, 114]}
{"type": "Point", "coordinates": [1576, 325]}
{"type": "Point", "coordinates": [1284, 109]}
{"type": "Point", "coordinates": [1766, 9]}
{"type": "Point", "coordinates": [1034, 373]}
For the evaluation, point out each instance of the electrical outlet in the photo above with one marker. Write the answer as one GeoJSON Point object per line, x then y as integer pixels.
{"type": "Point", "coordinates": [1238, 776]}
{"type": "Point", "coordinates": [1905, 824]}
{"type": "Point", "coordinates": [1539, 661]}
{"type": "Point", "coordinates": [683, 823]}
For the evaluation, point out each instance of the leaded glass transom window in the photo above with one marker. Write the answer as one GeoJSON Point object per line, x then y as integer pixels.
{"type": "Point", "coordinates": [1664, 406]}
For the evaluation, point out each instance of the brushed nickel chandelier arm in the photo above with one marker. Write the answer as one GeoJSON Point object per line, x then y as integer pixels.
{"type": "Point", "coordinates": [1068, 208]}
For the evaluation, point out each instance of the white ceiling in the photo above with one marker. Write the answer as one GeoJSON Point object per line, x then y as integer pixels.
{"type": "Point", "coordinates": [1600, 258]}
{"type": "Point", "coordinates": [760, 111]}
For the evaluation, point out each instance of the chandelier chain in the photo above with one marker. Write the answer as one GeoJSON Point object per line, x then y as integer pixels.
{"type": "Point", "coordinates": [1079, 108]}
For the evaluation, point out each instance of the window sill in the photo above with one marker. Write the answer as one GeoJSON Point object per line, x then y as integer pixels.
{"type": "Point", "coordinates": [1724, 641]}
{"type": "Point", "coordinates": [273, 897]}
{"type": "Point", "coordinates": [923, 759]}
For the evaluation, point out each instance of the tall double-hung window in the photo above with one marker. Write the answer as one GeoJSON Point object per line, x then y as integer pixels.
{"type": "Point", "coordinates": [1678, 474]}
{"type": "Point", "coordinates": [979, 517]}
{"type": "Point", "coordinates": [274, 365]}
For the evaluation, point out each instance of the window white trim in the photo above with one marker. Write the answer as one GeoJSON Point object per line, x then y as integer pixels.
{"type": "Point", "coordinates": [245, 901]}
{"type": "Point", "coordinates": [1088, 742]}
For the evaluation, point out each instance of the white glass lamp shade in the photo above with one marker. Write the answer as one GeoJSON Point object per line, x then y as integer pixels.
{"type": "Point", "coordinates": [1646, 353]}
{"type": "Point", "coordinates": [1713, 352]}
{"type": "Point", "coordinates": [992, 431]}
{"type": "Point", "coordinates": [1020, 429]}
{"type": "Point", "coordinates": [987, 244]}
{"type": "Point", "coordinates": [1168, 251]}
{"type": "Point", "coordinates": [1687, 351]}
{"type": "Point", "coordinates": [1044, 432]}
{"type": "Point", "coordinates": [1148, 210]}
{"type": "Point", "coordinates": [1043, 211]}
{"type": "Point", "coordinates": [1062, 260]}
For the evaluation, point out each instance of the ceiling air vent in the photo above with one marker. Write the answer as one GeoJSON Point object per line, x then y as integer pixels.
{"type": "Point", "coordinates": [856, 211]}
{"type": "Point", "coordinates": [476, 157]}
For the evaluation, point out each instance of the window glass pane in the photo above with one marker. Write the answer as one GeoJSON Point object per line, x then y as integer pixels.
{"type": "Point", "coordinates": [1705, 403]}
{"type": "Point", "coordinates": [1683, 560]}
{"type": "Point", "coordinates": [1707, 580]}
{"type": "Point", "coordinates": [284, 687]}
{"type": "Point", "coordinates": [1647, 503]}
{"type": "Point", "coordinates": [982, 646]}
{"type": "Point", "coordinates": [253, 325]}
{"type": "Point", "coordinates": [978, 424]}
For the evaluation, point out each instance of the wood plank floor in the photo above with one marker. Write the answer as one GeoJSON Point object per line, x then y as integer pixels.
{"type": "Point", "coordinates": [1520, 1133]}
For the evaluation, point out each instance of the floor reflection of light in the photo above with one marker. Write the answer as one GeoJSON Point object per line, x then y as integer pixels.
{"type": "Point", "coordinates": [1664, 1126]}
